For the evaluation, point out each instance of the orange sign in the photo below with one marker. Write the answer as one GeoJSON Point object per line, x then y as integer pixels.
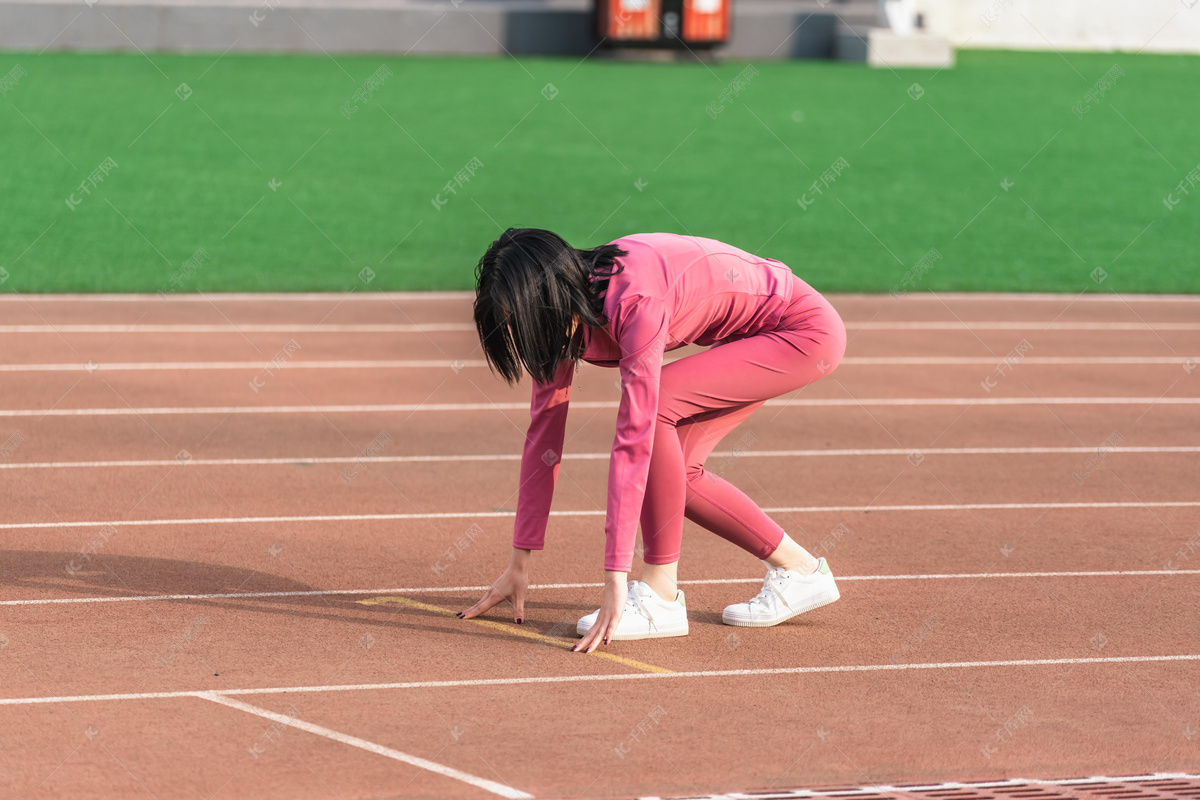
{"type": "Point", "coordinates": [630, 20]}
{"type": "Point", "coordinates": [705, 20]}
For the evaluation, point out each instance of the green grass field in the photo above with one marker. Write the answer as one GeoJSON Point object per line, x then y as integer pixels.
{"type": "Point", "coordinates": [260, 168]}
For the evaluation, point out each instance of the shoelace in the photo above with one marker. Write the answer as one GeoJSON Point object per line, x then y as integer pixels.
{"type": "Point", "coordinates": [770, 589]}
{"type": "Point", "coordinates": [634, 600]}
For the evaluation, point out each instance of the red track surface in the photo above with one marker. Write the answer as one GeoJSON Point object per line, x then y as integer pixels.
{"type": "Point", "coordinates": [1000, 618]}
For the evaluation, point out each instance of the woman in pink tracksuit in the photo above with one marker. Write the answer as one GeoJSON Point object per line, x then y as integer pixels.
{"type": "Point", "coordinates": [542, 305]}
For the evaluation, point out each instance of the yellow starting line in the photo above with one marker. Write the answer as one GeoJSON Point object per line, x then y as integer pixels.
{"type": "Point", "coordinates": [512, 630]}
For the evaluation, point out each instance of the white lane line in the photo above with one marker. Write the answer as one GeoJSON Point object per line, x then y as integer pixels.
{"type": "Point", "coordinates": [250, 327]}
{"type": "Point", "coordinates": [488, 458]}
{"type": "Point", "coordinates": [467, 327]}
{"type": "Point", "coordinates": [811, 402]}
{"type": "Point", "coordinates": [383, 296]}
{"type": "Point", "coordinates": [923, 361]}
{"type": "Point", "coordinates": [165, 366]}
{"type": "Point", "coordinates": [139, 523]}
{"type": "Point", "coordinates": [624, 676]}
{"type": "Point", "coordinates": [949, 361]}
{"type": "Point", "coordinates": [992, 325]}
{"type": "Point", "coordinates": [322, 297]}
{"type": "Point", "coordinates": [421, 763]}
{"type": "Point", "coordinates": [931, 788]}
{"type": "Point", "coordinates": [424, 590]}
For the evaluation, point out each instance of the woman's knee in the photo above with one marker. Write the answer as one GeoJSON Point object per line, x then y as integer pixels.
{"type": "Point", "coordinates": [832, 347]}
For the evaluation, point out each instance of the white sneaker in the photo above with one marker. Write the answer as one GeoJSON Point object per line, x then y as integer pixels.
{"type": "Point", "coordinates": [646, 616]}
{"type": "Point", "coordinates": [784, 595]}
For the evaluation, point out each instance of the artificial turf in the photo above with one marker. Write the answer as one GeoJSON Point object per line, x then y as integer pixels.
{"type": "Point", "coordinates": [264, 167]}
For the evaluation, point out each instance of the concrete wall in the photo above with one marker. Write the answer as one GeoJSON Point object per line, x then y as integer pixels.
{"type": "Point", "coordinates": [419, 26]}
{"type": "Point", "coordinates": [1130, 25]}
{"type": "Point", "coordinates": [774, 29]}
{"type": "Point", "coordinates": [761, 28]}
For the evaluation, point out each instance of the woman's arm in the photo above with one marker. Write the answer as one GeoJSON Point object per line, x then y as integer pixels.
{"type": "Point", "coordinates": [541, 456]}
{"type": "Point", "coordinates": [639, 325]}
{"type": "Point", "coordinates": [539, 472]}
{"type": "Point", "coordinates": [640, 328]}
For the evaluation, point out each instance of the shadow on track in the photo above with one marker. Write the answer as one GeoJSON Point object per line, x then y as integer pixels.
{"type": "Point", "coordinates": [70, 575]}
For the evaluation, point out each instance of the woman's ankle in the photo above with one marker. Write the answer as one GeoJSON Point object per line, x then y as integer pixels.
{"type": "Point", "coordinates": [802, 566]}
{"type": "Point", "coordinates": [662, 579]}
{"type": "Point", "coordinates": [793, 557]}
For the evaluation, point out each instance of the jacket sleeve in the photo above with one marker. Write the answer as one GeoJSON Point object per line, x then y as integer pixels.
{"type": "Point", "coordinates": [640, 326]}
{"type": "Point", "coordinates": [541, 457]}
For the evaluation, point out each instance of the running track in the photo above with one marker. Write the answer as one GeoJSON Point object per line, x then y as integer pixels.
{"type": "Point", "coordinates": [215, 586]}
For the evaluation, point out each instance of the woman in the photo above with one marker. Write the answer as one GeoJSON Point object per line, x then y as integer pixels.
{"type": "Point", "coordinates": [542, 305]}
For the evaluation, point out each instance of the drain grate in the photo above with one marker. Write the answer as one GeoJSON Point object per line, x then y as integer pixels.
{"type": "Point", "coordinates": [1162, 786]}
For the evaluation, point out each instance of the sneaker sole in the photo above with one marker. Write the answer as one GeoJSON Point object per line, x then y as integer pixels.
{"type": "Point", "coordinates": [824, 600]}
{"type": "Point", "coordinates": [629, 638]}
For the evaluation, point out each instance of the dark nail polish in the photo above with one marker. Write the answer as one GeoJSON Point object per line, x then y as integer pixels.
{"type": "Point", "coordinates": [520, 621]}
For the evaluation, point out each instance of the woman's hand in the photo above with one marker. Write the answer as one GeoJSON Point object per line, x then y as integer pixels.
{"type": "Point", "coordinates": [612, 605]}
{"type": "Point", "coordinates": [510, 586]}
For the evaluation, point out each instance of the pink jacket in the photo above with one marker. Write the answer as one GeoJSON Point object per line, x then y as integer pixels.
{"type": "Point", "coordinates": [674, 290]}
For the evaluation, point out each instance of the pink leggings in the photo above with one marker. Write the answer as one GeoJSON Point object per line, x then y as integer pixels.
{"type": "Point", "coordinates": [705, 396]}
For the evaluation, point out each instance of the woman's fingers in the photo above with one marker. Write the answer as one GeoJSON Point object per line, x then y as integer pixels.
{"type": "Point", "coordinates": [612, 631]}
{"type": "Point", "coordinates": [599, 634]}
{"type": "Point", "coordinates": [582, 644]}
{"type": "Point", "coordinates": [598, 631]}
{"type": "Point", "coordinates": [586, 642]}
{"type": "Point", "coordinates": [492, 599]}
{"type": "Point", "coordinates": [603, 633]}
{"type": "Point", "coordinates": [605, 628]}
{"type": "Point", "coordinates": [488, 602]}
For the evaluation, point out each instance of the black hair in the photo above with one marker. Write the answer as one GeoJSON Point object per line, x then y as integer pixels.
{"type": "Point", "coordinates": [530, 288]}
